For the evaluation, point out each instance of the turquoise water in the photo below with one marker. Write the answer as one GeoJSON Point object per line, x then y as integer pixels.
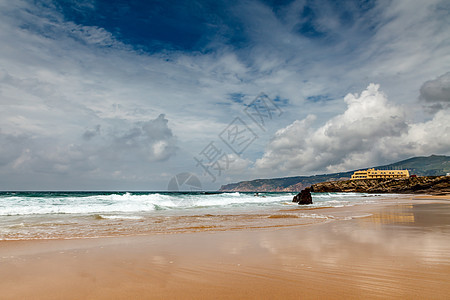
{"type": "Point", "coordinates": [48, 215]}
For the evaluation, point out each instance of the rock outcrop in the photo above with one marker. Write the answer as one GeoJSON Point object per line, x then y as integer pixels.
{"type": "Point", "coordinates": [304, 197]}
{"type": "Point", "coordinates": [412, 185]}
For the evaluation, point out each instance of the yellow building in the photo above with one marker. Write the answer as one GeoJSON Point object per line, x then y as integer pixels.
{"type": "Point", "coordinates": [372, 174]}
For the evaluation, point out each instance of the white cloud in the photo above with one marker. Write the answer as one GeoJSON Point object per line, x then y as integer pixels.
{"type": "Point", "coordinates": [371, 130]}
{"type": "Point", "coordinates": [73, 97]}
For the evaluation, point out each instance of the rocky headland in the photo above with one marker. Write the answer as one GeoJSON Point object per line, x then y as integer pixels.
{"type": "Point", "coordinates": [434, 165]}
{"type": "Point", "coordinates": [436, 185]}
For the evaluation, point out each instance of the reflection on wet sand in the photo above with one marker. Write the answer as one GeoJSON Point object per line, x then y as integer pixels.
{"type": "Point", "coordinates": [396, 215]}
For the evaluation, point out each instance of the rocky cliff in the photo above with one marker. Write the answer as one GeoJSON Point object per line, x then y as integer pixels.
{"type": "Point", "coordinates": [434, 165]}
{"type": "Point", "coordinates": [424, 184]}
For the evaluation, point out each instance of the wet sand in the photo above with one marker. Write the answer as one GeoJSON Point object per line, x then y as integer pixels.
{"type": "Point", "coordinates": [395, 250]}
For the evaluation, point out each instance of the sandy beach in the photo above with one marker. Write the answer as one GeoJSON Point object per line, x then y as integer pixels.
{"type": "Point", "coordinates": [217, 149]}
{"type": "Point", "coordinates": [396, 250]}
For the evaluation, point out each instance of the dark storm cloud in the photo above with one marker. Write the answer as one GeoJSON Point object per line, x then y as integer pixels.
{"type": "Point", "coordinates": [436, 93]}
{"type": "Point", "coordinates": [112, 150]}
{"type": "Point", "coordinates": [11, 147]}
{"type": "Point", "coordinates": [150, 141]}
{"type": "Point", "coordinates": [90, 133]}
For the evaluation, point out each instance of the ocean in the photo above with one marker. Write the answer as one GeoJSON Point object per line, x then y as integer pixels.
{"type": "Point", "coordinates": [68, 215]}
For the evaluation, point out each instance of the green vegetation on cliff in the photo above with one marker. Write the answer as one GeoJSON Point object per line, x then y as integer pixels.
{"type": "Point", "coordinates": [434, 165]}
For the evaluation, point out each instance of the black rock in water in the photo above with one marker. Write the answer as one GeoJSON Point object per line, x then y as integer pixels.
{"type": "Point", "coordinates": [304, 197]}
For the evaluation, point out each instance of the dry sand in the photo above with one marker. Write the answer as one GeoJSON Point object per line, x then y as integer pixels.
{"type": "Point", "coordinates": [394, 250]}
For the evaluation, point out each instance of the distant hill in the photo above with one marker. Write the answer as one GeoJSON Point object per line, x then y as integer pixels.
{"type": "Point", "coordinates": [434, 165]}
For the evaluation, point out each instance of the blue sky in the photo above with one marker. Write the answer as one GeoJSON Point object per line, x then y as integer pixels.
{"type": "Point", "coordinates": [124, 95]}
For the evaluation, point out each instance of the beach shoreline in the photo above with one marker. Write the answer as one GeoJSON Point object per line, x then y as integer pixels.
{"type": "Point", "coordinates": [394, 249]}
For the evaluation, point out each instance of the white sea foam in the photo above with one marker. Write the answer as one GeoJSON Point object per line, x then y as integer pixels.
{"type": "Point", "coordinates": [114, 204]}
{"type": "Point", "coordinates": [61, 215]}
{"type": "Point", "coordinates": [121, 217]}
{"type": "Point", "coordinates": [314, 216]}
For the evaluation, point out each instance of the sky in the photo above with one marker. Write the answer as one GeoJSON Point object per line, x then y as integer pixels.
{"type": "Point", "coordinates": [125, 95]}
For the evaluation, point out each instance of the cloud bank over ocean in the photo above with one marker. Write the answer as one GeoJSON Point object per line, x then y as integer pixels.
{"type": "Point", "coordinates": [112, 95]}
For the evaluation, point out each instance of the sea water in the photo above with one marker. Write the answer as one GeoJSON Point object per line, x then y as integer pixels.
{"type": "Point", "coordinates": [53, 215]}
